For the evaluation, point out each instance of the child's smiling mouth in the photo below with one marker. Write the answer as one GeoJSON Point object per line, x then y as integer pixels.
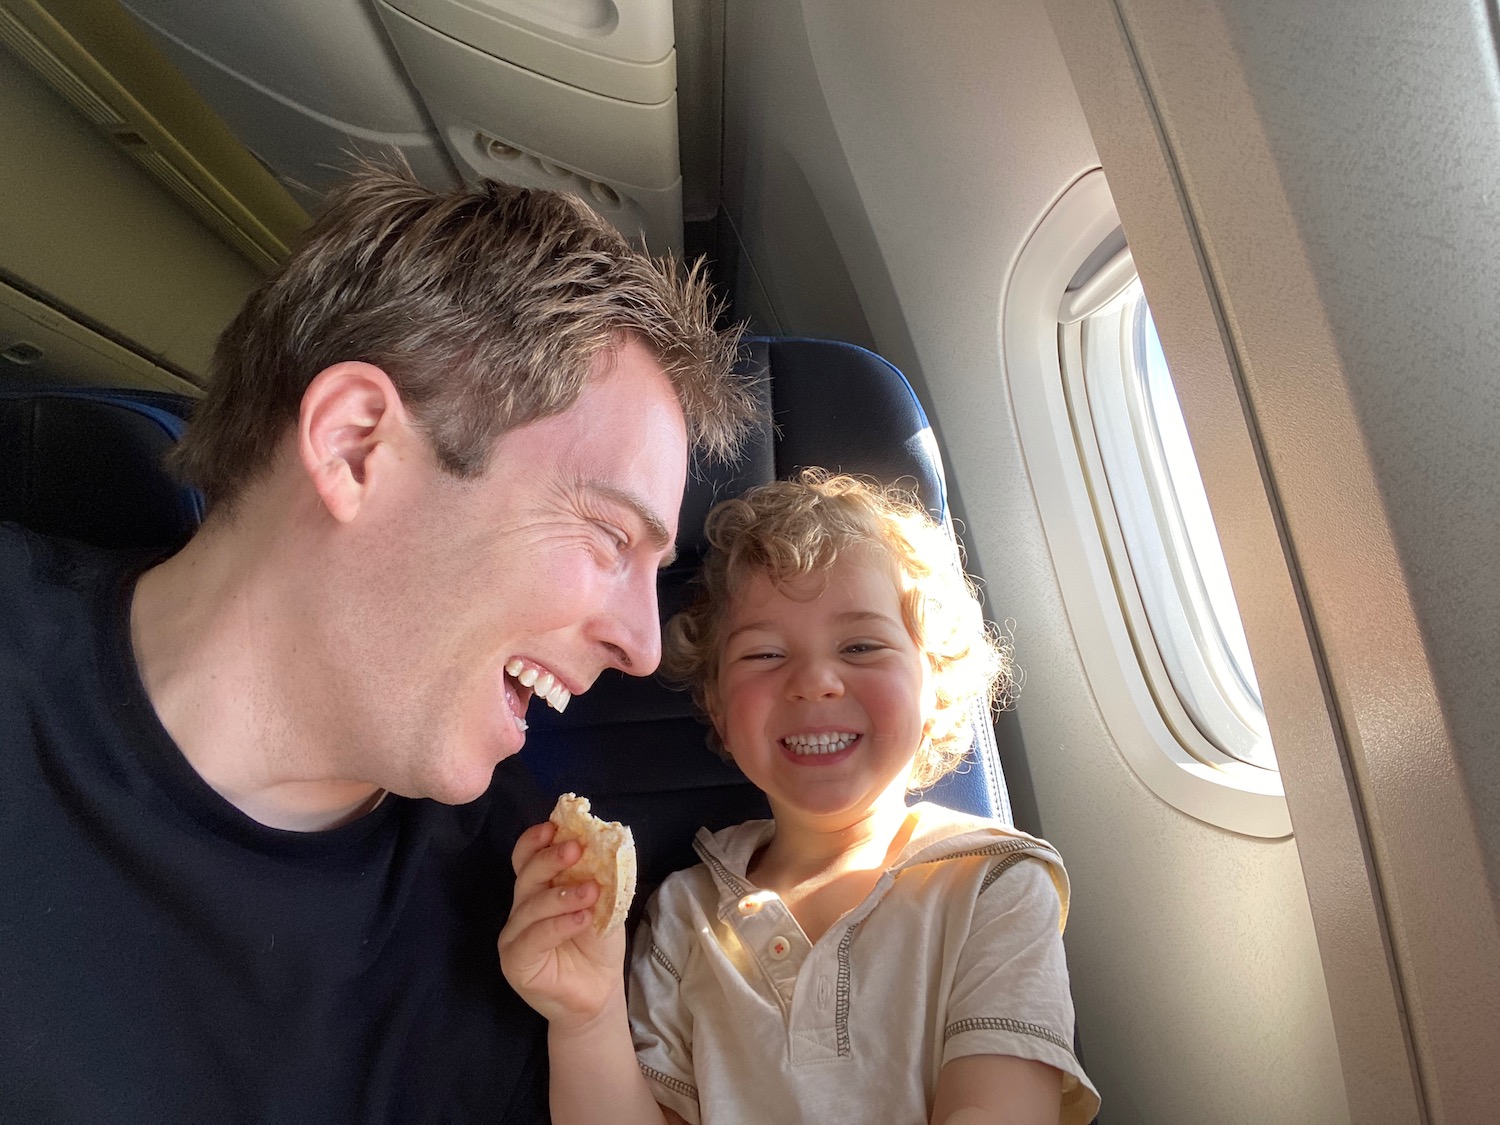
{"type": "Point", "coordinates": [819, 745]}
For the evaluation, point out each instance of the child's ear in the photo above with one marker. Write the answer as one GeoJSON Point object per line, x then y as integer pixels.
{"type": "Point", "coordinates": [930, 703]}
{"type": "Point", "coordinates": [715, 715]}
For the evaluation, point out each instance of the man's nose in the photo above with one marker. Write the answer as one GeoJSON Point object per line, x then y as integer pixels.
{"type": "Point", "coordinates": [634, 633]}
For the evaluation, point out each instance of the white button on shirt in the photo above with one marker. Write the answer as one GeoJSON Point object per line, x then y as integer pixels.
{"type": "Point", "coordinates": [956, 951]}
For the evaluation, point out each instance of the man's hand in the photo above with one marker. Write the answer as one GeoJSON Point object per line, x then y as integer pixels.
{"type": "Point", "coordinates": [549, 951]}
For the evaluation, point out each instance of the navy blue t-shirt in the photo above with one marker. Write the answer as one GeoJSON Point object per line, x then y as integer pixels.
{"type": "Point", "coordinates": [164, 958]}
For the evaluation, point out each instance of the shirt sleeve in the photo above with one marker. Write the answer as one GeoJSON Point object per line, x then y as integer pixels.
{"type": "Point", "coordinates": [1010, 991]}
{"type": "Point", "coordinates": [660, 1022]}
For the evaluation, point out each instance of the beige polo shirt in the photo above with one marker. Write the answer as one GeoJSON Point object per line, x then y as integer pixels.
{"type": "Point", "coordinates": [957, 951]}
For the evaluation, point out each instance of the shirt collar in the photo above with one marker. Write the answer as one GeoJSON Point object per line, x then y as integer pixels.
{"type": "Point", "coordinates": [941, 833]}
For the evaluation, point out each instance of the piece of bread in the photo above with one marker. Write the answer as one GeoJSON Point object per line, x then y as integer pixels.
{"type": "Point", "coordinates": [608, 859]}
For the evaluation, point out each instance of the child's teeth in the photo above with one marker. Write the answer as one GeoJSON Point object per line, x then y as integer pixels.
{"type": "Point", "coordinates": [513, 666]}
{"type": "Point", "coordinates": [560, 699]}
{"type": "Point", "coordinates": [528, 676]}
{"type": "Point", "coordinates": [520, 723]}
{"type": "Point", "coordinates": [819, 743]}
{"type": "Point", "coordinates": [544, 684]}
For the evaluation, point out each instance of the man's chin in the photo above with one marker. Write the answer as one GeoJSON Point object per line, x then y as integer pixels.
{"type": "Point", "coordinates": [460, 787]}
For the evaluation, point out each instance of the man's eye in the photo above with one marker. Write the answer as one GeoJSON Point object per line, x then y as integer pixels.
{"type": "Point", "coordinates": [615, 535]}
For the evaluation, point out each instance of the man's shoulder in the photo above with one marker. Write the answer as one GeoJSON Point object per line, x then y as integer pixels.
{"type": "Point", "coordinates": [30, 561]}
{"type": "Point", "coordinates": [45, 580]}
{"type": "Point", "coordinates": [19, 548]}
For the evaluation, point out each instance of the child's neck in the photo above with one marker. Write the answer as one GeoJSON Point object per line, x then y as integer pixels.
{"type": "Point", "coordinates": [823, 869]}
{"type": "Point", "coordinates": [804, 848]}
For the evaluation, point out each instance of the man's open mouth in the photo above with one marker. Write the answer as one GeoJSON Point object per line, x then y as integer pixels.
{"type": "Point", "coordinates": [523, 679]}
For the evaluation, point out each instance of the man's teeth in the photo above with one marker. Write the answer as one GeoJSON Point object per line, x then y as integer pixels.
{"type": "Point", "coordinates": [818, 743]}
{"type": "Point", "coordinates": [541, 683]}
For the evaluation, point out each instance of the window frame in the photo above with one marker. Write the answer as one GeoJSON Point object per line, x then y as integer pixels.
{"type": "Point", "coordinates": [1151, 727]}
{"type": "Point", "coordinates": [1179, 636]}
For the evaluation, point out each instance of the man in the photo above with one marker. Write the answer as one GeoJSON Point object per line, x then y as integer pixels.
{"type": "Point", "coordinates": [443, 453]}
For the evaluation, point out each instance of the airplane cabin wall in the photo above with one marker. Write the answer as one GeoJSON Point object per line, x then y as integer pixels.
{"type": "Point", "coordinates": [1337, 163]}
{"type": "Point", "coordinates": [924, 142]}
{"type": "Point", "coordinates": [86, 228]}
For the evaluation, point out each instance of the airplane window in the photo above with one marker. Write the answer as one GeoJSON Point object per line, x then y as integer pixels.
{"type": "Point", "coordinates": [1185, 607]}
{"type": "Point", "coordinates": [1134, 549]}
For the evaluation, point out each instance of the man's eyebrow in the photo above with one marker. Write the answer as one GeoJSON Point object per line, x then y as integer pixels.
{"type": "Point", "coordinates": [656, 527]}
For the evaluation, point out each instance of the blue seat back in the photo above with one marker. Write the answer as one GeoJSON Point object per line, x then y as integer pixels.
{"type": "Point", "coordinates": [87, 464]}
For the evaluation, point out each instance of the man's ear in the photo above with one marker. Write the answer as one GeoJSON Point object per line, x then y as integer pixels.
{"type": "Point", "coordinates": [348, 411]}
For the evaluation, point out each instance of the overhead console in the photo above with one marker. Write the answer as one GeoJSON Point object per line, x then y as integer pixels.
{"type": "Point", "coordinates": [303, 86]}
{"type": "Point", "coordinates": [577, 95]}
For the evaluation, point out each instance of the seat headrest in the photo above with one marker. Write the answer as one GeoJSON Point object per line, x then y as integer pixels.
{"type": "Point", "coordinates": [636, 747]}
{"type": "Point", "coordinates": [86, 464]}
{"type": "Point", "coordinates": [826, 405]}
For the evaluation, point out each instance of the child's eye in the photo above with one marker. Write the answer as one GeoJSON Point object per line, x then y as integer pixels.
{"type": "Point", "coordinates": [858, 648]}
{"type": "Point", "coordinates": [760, 656]}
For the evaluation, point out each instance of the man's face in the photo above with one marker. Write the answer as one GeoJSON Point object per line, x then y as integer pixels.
{"type": "Point", "coordinates": [541, 573]}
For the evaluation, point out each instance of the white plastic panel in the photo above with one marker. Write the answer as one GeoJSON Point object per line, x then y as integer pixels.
{"type": "Point", "coordinates": [621, 50]}
{"type": "Point", "coordinates": [508, 123]}
{"type": "Point", "coordinates": [39, 344]}
{"type": "Point", "coordinates": [300, 84]}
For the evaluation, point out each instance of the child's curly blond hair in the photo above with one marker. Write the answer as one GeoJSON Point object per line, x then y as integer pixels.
{"type": "Point", "coordinates": [787, 530]}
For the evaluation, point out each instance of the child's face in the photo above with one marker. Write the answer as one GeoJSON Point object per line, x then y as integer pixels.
{"type": "Point", "coordinates": [823, 701]}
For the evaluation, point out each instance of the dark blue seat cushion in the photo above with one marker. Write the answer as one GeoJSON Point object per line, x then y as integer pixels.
{"type": "Point", "coordinates": [86, 464]}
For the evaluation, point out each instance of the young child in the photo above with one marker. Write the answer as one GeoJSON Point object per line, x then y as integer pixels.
{"type": "Point", "coordinates": [853, 959]}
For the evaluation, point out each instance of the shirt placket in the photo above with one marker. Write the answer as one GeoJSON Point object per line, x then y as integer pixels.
{"type": "Point", "coordinates": [771, 936]}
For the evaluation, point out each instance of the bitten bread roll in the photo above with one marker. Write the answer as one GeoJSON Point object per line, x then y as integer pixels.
{"type": "Point", "coordinates": [608, 859]}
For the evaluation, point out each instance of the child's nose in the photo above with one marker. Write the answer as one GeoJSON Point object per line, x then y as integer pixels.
{"type": "Point", "coordinates": [816, 679]}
